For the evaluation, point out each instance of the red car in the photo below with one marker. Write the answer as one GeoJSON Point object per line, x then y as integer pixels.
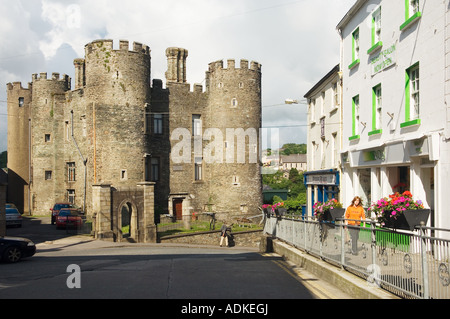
{"type": "Point", "coordinates": [68, 218]}
{"type": "Point", "coordinates": [56, 208]}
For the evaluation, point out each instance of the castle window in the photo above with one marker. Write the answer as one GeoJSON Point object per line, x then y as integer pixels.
{"type": "Point", "coordinates": [198, 168]}
{"type": "Point", "coordinates": [196, 125]}
{"type": "Point", "coordinates": [220, 85]}
{"type": "Point", "coordinates": [123, 175]}
{"type": "Point", "coordinates": [241, 85]}
{"type": "Point", "coordinates": [71, 171]}
{"type": "Point", "coordinates": [71, 196]}
{"type": "Point", "coordinates": [234, 102]}
{"type": "Point", "coordinates": [21, 101]}
{"type": "Point", "coordinates": [152, 169]}
{"type": "Point", "coordinates": [47, 138]}
{"type": "Point", "coordinates": [48, 175]}
{"type": "Point", "coordinates": [235, 180]}
{"type": "Point", "coordinates": [157, 123]}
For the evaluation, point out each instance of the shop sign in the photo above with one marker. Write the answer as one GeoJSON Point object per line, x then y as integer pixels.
{"type": "Point", "coordinates": [375, 155]}
{"type": "Point", "coordinates": [321, 179]}
{"type": "Point", "coordinates": [384, 59]}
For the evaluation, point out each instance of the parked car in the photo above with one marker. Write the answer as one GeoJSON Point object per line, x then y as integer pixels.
{"type": "Point", "coordinates": [13, 217]}
{"type": "Point", "coordinates": [57, 207]}
{"type": "Point", "coordinates": [69, 217]}
{"type": "Point", "coordinates": [13, 249]}
{"type": "Point", "coordinates": [10, 205]}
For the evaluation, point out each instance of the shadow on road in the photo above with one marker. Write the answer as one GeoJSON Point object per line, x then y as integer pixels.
{"type": "Point", "coordinates": [40, 230]}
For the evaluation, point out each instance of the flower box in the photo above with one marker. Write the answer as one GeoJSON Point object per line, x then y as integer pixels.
{"type": "Point", "coordinates": [332, 214]}
{"type": "Point", "coordinates": [409, 219]}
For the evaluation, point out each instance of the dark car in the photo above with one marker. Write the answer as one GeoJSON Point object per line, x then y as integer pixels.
{"type": "Point", "coordinates": [68, 218]}
{"type": "Point", "coordinates": [13, 217]}
{"type": "Point", "coordinates": [57, 207]}
{"type": "Point", "coordinates": [13, 249]}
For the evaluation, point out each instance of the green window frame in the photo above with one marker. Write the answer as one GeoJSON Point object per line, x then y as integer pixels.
{"type": "Point", "coordinates": [355, 118]}
{"type": "Point", "coordinates": [377, 107]}
{"type": "Point", "coordinates": [376, 32]}
{"type": "Point", "coordinates": [412, 13]}
{"type": "Point", "coordinates": [355, 49]}
{"type": "Point", "coordinates": [412, 96]}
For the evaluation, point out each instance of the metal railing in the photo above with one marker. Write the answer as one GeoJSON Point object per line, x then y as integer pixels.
{"type": "Point", "coordinates": [410, 264]}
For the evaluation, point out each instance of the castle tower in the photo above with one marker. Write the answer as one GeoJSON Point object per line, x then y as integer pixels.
{"type": "Point", "coordinates": [47, 132]}
{"type": "Point", "coordinates": [234, 110]}
{"type": "Point", "coordinates": [176, 65]}
{"type": "Point", "coordinates": [117, 91]}
{"type": "Point", "coordinates": [19, 134]}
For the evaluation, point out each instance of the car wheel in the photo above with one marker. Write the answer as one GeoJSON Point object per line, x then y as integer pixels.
{"type": "Point", "coordinates": [12, 254]}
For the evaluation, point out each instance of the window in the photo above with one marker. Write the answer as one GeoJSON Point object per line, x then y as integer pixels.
{"type": "Point", "coordinates": [48, 175]}
{"type": "Point", "coordinates": [376, 31]}
{"type": "Point", "coordinates": [335, 95]}
{"type": "Point", "coordinates": [412, 96]}
{"type": "Point", "coordinates": [376, 110]}
{"type": "Point", "coordinates": [234, 102]}
{"type": "Point", "coordinates": [21, 101]}
{"type": "Point", "coordinates": [154, 169]}
{"type": "Point", "coordinates": [198, 168]}
{"type": "Point", "coordinates": [196, 125]}
{"type": "Point", "coordinates": [71, 171]}
{"type": "Point", "coordinates": [355, 118]}
{"type": "Point", "coordinates": [355, 49]}
{"type": "Point", "coordinates": [123, 175]}
{"type": "Point", "coordinates": [412, 13]}
{"type": "Point", "coordinates": [47, 138]}
{"type": "Point", "coordinates": [235, 180]}
{"type": "Point", "coordinates": [312, 109]}
{"type": "Point", "coordinates": [157, 123]}
{"type": "Point", "coordinates": [71, 196]}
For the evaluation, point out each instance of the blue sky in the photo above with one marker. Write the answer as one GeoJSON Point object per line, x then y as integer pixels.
{"type": "Point", "coordinates": [295, 41]}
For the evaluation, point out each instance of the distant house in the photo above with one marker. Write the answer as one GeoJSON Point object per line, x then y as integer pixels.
{"type": "Point", "coordinates": [297, 161]}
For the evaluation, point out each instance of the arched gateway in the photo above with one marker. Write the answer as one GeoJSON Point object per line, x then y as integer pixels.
{"type": "Point", "coordinates": [125, 213]}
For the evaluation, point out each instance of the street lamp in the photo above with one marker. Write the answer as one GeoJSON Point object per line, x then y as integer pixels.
{"type": "Point", "coordinates": [290, 101]}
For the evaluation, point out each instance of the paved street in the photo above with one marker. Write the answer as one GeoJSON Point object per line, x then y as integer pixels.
{"type": "Point", "coordinates": [152, 271]}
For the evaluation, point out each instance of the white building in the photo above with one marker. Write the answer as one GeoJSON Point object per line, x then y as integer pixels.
{"type": "Point", "coordinates": [324, 139]}
{"type": "Point", "coordinates": [395, 58]}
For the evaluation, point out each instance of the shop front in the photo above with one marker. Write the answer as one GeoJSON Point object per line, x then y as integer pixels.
{"type": "Point", "coordinates": [378, 171]}
{"type": "Point", "coordinates": [321, 186]}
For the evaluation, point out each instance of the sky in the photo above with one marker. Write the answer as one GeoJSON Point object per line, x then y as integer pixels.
{"type": "Point", "coordinates": [296, 43]}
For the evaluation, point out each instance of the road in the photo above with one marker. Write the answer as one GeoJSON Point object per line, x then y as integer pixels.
{"type": "Point", "coordinates": [79, 267]}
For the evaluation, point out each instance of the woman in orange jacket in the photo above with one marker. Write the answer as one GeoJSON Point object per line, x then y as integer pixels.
{"type": "Point", "coordinates": [353, 214]}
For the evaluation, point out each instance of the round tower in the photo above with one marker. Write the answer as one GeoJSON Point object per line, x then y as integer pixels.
{"type": "Point", "coordinates": [47, 130]}
{"type": "Point", "coordinates": [18, 139]}
{"type": "Point", "coordinates": [117, 87]}
{"type": "Point", "coordinates": [234, 110]}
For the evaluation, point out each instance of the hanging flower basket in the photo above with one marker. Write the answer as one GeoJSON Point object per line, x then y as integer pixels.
{"type": "Point", "coordinates": [408, 220]}
{"type": "Point", "coordinates": [328, 211]}
{"type": "Point", "coordinates": [334, 213]}
{"type": "Point", "coordinates": [400, 211]}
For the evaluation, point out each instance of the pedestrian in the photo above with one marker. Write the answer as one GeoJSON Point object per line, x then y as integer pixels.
{"type": "Point", "coordinates": [223, 234]}
{"type": "Point", "coordinates": [353, 214]}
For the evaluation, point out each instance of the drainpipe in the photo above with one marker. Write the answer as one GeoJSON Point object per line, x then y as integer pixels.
{"type": "Point", "coordinates": [84, 162]}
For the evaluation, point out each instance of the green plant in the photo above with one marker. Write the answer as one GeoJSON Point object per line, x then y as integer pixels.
{"type": "Point", "coordinates": [320, 208]}
{"type": "Point", "coordinates": [390, 208]}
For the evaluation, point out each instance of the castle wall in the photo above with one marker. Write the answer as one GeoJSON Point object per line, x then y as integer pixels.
{"type": "Point", "coordinates": [118, 88]}
{"type": "Point", "coordinates": [18, 145]}
{"type": "Point", "coordinates": [104, 131]}
{"type": "Point", "coordinates": [46, 131]}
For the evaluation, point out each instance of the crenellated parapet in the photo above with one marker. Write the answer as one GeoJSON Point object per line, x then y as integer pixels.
{"type": "Point", "coordinates": [56, 79]}
{"type": "Point", "coordinates": [107, 45]}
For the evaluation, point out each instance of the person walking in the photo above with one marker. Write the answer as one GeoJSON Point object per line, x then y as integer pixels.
{"type": "Point", "coordinates": [223, 235]}
{"type": "Point", "coordinates": [353, 214]}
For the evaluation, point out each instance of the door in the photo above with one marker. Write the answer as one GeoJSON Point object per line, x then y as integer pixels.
{"type": "Point", "coordinates": [178, 208]}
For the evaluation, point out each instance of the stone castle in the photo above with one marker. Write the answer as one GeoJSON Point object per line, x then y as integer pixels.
{"type": "Point", "coordinates": [119, 127]}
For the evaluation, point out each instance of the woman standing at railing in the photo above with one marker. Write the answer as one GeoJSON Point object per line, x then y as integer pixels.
{"type": "Point", "coordinates": [353, 214]}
